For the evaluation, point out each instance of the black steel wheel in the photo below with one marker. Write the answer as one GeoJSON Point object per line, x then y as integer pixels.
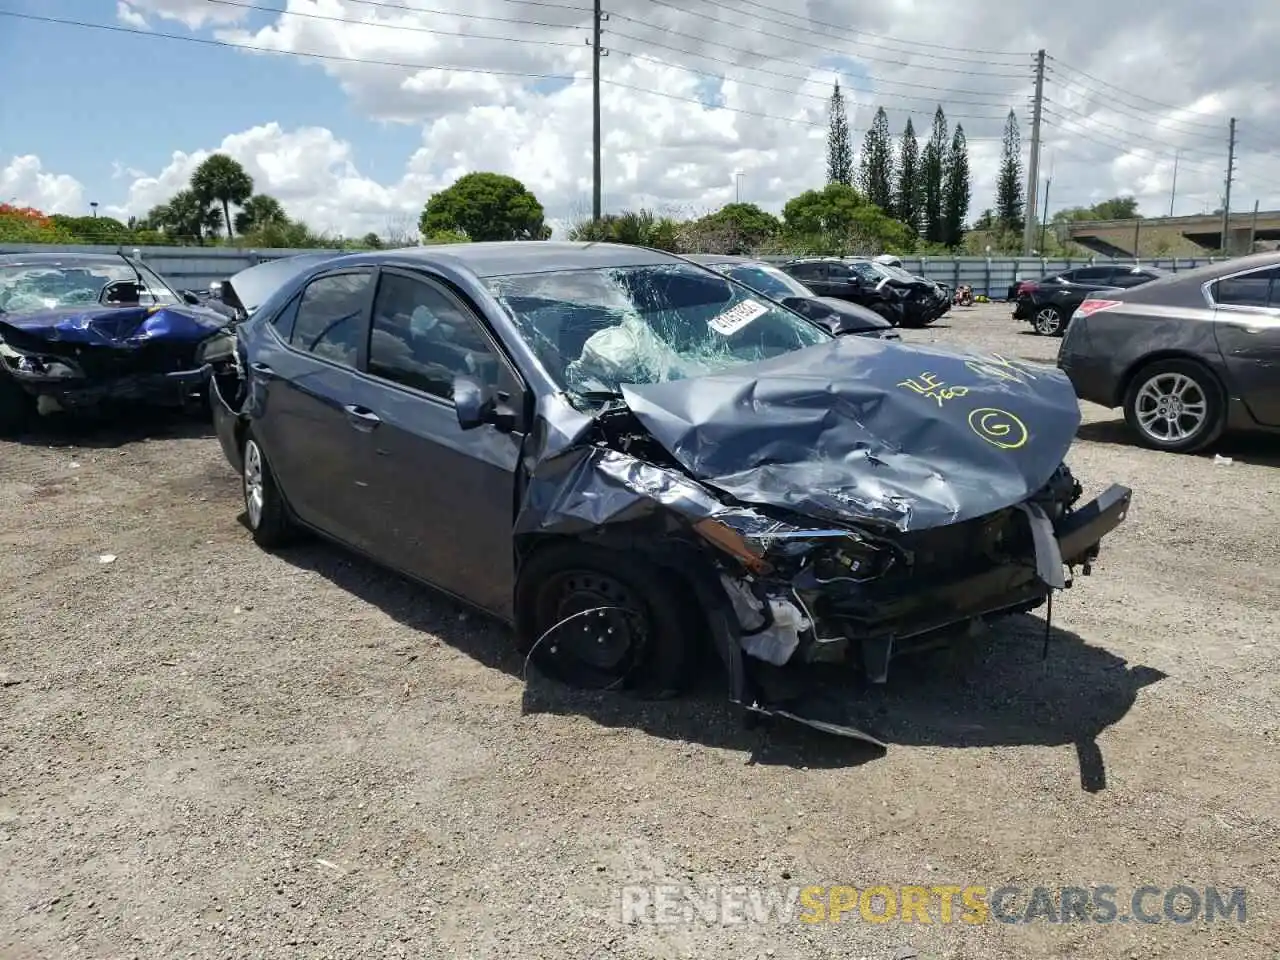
{"type": "Point", "coordinates": [596, 619]}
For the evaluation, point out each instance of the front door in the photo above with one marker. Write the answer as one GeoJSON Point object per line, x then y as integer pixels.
{"type": "Point", "coordinates": [446, 497]}
{"type": "Point", "coordinates": [1247, 325]}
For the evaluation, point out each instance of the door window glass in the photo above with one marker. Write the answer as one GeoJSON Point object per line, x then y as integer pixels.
{"type": "Point", "coordinates": [1250, 290]}
{"type": "Point", "coordinates": [330, 317]}
{"type": "Point", "coordinates": [423, 338]}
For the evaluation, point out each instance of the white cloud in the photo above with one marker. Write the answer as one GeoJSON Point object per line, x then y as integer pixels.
{"type": "Point", "coordinates": [129, 16]}
{"type": "Point", "coordinates": [429, 63]}
{"type": "Point", "coordinates": [24, 183]}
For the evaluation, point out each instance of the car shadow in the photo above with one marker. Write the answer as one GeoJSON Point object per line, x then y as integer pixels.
{"type": "Point", "coordinates": [988, 692]}
{"type": "Point", "coordinates": [1261, 450]}
{"type": "Point", "coordinates": [106, 430]}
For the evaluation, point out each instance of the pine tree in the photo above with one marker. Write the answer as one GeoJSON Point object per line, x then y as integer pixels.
{"type": "Point", "coordinates": [932, 161]}
{"type": "Point", "coordinates": [955, 189]}
{"type": "Point", "coordinates": [839, 147]}
{"type": "Point", "coordinates": [906, 205]}
{"type": "Point", "coordinates": [1009, 192]}
{"type": "Point", "coordinates": [876, 171]}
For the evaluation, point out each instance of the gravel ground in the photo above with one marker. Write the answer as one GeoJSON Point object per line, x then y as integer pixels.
{"type": "Point", "coordinates": [209, 751]}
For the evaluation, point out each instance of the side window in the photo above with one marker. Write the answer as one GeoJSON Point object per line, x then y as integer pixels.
{"type": "Point", "coordinates": [1092, 274]}
{"type": "Point", "coordinates": [1251, 290]}
{"type": "Point", "coordinates": [284, 320]}
{"type": "Point", "coordinates": [866, 273]}
{"type": "Point", "coordinates": [806, 271]}
{"type": "Point", "coordinates": [423, 338]}
{"type": "Point", "coordinates": [329, 314]}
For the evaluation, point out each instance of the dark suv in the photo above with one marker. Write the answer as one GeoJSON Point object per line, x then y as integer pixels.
{"type": "Point", "coordinates": [1048, 303]}
{"type": "Point", "coordinates": [900, 298]}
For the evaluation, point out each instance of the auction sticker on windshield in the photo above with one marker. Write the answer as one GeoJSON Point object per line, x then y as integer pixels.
{"type": "Point", "coordinates": [735, 318]}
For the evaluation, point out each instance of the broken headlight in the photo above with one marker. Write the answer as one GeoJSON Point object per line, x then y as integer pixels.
{"type": "Point", "coordinates": [34, 366]}
{"type": "Point", "coordinates": [847, 560]}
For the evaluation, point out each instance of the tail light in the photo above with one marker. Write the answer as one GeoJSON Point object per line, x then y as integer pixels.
{"type": "Point", "coordinates": [1095, 306]}
{"type": "Point", "coordinates": [1026, 286]}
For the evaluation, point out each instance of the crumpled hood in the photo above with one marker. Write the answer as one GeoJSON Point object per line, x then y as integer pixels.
{"type": "Point", "coordinates": [861, 429]}
{"type": "Point", "coordinates": [120, 327]}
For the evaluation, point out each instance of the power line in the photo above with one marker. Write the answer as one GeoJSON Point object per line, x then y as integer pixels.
{"type": "Point", "coordinates": [876, 38]}
{"type": "Point", "coordinates": [210, 42]}
{"type": "Point", "coordinates": [764, 86]}
{"type": "Point", "coordinates": [1105, 140]}
{"type": "Point", "coordinates": [397, 26]}
{"type": "Point", "coordinates": [756, 55]}
{"type": "Point", "coordinates": [1080, 115]}
{"type": "Point", "coordinates": [227, 44]}
{"type": "Point", "coordinates": [1120, 92]}
{"type": "Point", "coordinates": [818, 46]}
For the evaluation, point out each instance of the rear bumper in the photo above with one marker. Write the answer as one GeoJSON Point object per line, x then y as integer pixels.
{"type": "Point", "coordinates": [1023, 310]}
{"type": "Point", "coordinates": [228, 424]}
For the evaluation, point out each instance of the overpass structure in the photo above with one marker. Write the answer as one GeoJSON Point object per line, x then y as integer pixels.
{"type": "Point", "coordinates": [1174, 236]}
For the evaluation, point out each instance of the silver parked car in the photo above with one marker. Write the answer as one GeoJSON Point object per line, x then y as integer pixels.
{"type": "Point", "coordinates": [1188, 356]}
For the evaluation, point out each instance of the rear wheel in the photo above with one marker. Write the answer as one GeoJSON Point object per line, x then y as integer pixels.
{"type": "Point", "coordinates": [595, 618]}
{"type": "Point", "coordinates": [264, 508]}
{"type": "Point", "coordinates": [1048, 321]}
{"type": "Point", "coordinates": [1175, 405]}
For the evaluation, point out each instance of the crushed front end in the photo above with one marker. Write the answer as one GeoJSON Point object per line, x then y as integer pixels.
{"type": "Point", "coordinates": [83, 359]}
{"type": "Point", "coordinates": [807, 595]}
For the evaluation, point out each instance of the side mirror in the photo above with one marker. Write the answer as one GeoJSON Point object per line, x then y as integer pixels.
{"type": "Point", "coordinates": [474, 409]}
{"type": "Point", "coordinates": [798, 304]}
{"type": "Point", "coordinates": [190, 297]}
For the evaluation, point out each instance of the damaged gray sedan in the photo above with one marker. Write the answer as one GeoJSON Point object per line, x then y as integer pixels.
{"type": "Point", "coordinates": [632, 459]}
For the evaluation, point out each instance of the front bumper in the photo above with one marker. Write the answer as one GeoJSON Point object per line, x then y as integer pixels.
{"type": "Point", "coordinates": [883, 622]}
{"type": "Point", "coordinates": [175, 388]}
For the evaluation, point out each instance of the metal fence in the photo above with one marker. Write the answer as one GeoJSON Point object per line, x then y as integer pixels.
{"type": "Point", "coordinates": [197, 267]}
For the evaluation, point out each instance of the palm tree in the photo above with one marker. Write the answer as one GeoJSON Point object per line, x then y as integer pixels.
{"type": "Point", "coordinates": [222, 180]}
{"type": "Point", "coordinates": [259, 211]}
{"type": "Point", "coordinates": [183, 216]}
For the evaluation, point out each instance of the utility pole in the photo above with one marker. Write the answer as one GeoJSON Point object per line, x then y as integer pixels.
{"type": "Point", "coordinates": [1033, 168]}
{"type": "Point", "coordinates": [596, 53]}
{"type": "Point", "coordinates": [1177, 154]}
{"type": "Point", "coordinates": [1226, 196]}
{"type": "Point", "coordinates": [1253, 229]}
{"type": "Point", "coordinates": [1044, 214]}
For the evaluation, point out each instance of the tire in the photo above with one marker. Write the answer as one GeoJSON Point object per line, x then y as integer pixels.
{"type": "Point", "coordinates": [654, 654]}
{"type": "Point", "coordinates": [17, 408]}
{"type": "Point", "coordinates": [1194, 386]}
{"type": "Point", "coordinates": [1048, 322]}
{"type": "Point", "coordinates": [265, 512]}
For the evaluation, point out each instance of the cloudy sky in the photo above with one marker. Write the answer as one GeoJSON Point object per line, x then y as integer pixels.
{"type": "Point", "coordinates": [353, 112]}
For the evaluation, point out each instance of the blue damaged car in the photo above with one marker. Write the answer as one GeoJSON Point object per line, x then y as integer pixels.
{"type": "Point", "coordinates": [77, 330]}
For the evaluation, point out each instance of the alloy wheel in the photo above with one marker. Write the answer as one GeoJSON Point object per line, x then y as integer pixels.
{"type": "Point", "coordinates": [1171, 407]}
{"type": "Point", "coordinates": [254, 487]}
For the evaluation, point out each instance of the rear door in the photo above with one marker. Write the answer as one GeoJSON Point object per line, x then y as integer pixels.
{"type": "Point", "coordinates": [1247, 326]}
{"type": "Point", "coordinates": [813, 275]}
{"type": "Point", "coordinates": [318, 445]}
{"type": "Point", "coordinates": [444, 497]}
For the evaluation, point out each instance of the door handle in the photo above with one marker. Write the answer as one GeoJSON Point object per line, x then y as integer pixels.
{"type": "Point", "coordinates": [362, 418]}
{"type": "Point", "coordinates": [262, 368]}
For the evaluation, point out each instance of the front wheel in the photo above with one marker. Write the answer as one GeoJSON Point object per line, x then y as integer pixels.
{"type": "Point", "coordinates": [1048, 321]}
{"type": "Point", "coordinates": [594, 618]}
{"type": "Point", "coordinates": [1175, 405]}
{"type": "Point", "coordinates": [17, 408]}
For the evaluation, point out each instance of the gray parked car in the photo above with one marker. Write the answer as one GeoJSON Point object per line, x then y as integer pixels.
{"type": "Point", "coordinates": [629, 457]}
{"type": "Point", "coordinates": [1188, 356]}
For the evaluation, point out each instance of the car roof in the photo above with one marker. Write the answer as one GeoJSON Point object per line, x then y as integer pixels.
{"type": "Point", "coordinates": [717, 258]}
{"type": "Point", "coordinates": [506, 257]}
{"type": "Point", "coordinates": [1183, 287]}
{"type": "Point", "coordinates": [56, 259]}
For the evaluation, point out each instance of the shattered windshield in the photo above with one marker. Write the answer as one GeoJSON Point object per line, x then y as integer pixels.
{"type": "Point", "coordinates": [595, 330]}
{"type": "Point", "coordinates": [32, 287]}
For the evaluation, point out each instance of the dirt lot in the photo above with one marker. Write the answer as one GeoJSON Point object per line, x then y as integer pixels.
{"type": "Point", "coordinates": [209, 751]}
